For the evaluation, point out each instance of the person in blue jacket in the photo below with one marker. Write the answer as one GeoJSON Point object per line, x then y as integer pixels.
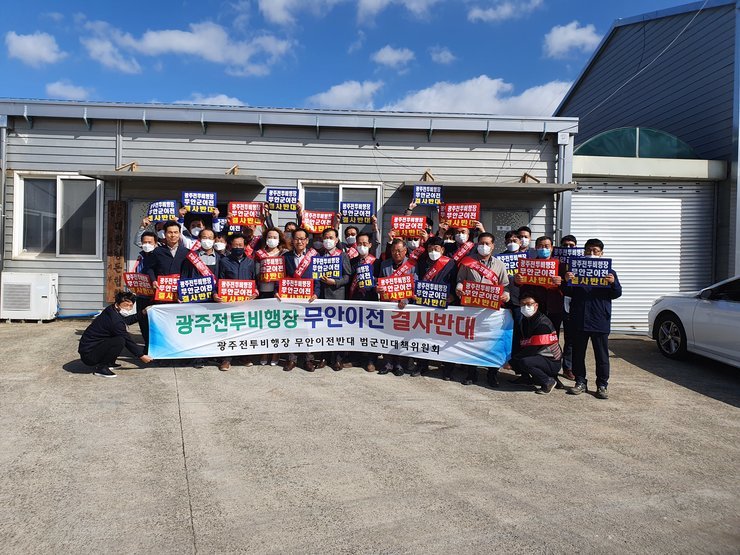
{"type": "Point", "coordinates": [590, 315]}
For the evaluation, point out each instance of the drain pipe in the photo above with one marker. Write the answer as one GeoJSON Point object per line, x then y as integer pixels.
{"type": "Point", "coordinates": [3, 172]}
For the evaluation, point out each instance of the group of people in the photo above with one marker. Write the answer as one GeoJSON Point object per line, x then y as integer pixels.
{"type": "Point", "coordinates": [449, 256]}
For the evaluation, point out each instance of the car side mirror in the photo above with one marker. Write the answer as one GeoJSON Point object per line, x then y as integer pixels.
{"type": "Point", "coordinates": [706, 294]}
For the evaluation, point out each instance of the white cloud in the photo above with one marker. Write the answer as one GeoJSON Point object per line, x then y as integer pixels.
{"type": "Point", "coordinates": [368, 9]}
{"type": "Point", "coordinates": [502, 10]}
{"type": "Point", "coordinates": [34, 50]}
{"type": "Point", "coordinates": [65, 90]}
{"type": "Point", "coordinates": [214, 99]}
{"type": "Point", "coordinates": [208, 41]}
{"type": "Point", "coordinates": [442, 55]}
{"type": "Point", "coordinates": [563, 39]}
{"type": "Point", "coordinates": [285, 12]}
{"type": "Point", "coordinates": [485, 96]}
{"type": "Point", "coordinates": [357, 44]}
{"type": "Point", "coordinates": [396, 58]}
{"type": "Point", "coordinates": [54, 16]}
{"type": "Point", "coordinates": [348, 95]}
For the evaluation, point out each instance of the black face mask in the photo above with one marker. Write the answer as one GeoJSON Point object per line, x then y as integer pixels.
{"type": "Point", "coordinates": [237, 252]}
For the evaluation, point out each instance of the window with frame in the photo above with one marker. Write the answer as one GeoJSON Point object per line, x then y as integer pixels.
{"type": "Point", "coordinates": [61, 216]}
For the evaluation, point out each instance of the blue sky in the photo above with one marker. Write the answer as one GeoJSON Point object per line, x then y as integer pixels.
{"type": "Point", "coordinates": [487, 56]}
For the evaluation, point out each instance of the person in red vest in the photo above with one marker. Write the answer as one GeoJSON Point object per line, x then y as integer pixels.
{"type": "Point", "coordinates": [357, 293]}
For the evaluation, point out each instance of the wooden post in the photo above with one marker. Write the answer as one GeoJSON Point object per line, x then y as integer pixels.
{"type": "Point", "coordinates": [115, 248]}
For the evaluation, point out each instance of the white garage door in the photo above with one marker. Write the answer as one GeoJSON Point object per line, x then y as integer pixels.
{"type": "Point", "coordinates": [659, 236]}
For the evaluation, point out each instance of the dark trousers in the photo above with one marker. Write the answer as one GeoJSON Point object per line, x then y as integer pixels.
{"type": "Point", "coordinates": [105, 352]}
{"type": "Point", "coordinates": [600, 343]}
{"type": "Point", "coordinates": [516, 313]}
{"type": "Point", "coordinates": [542, 369]}
{"type": "Point", "coordinates": [143, 319]}
{"type": "Point", "coordinates": [567, 342]}
{"type": "Point", "coordinates": [556, 318]}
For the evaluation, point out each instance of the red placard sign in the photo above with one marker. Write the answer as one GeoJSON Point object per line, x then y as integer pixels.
{"type": "Point", "coordinates": [245, 213]}
{"type": "Point", "coordinates": [539, 271]}
{"type": "Point", "coordinates": [408, 226]}
{"type": "Point", "coordinates": [138, 284]}
{"type": "Point", "coordinates": [167, 290]}
{"type": "Point", "coordinates": [316, 222]}
{"type": "Point", "coordinates": [395, 288]}
{"type": "Point", "coordinates": [237, 290]}
{"type": "Point", "coordinates": [483, 295]}
{"type": "Point", "coordinates": [292, 288]}
{"type": "Point", "coordinates": [463, 214]}
{"type": "Point", "coordinates": [272, 268]}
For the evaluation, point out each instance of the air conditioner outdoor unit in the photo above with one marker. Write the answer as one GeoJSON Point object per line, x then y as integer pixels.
{"type": "Point", "coordinates": [26, 296]}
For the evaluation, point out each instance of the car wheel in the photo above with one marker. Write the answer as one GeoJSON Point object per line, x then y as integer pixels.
{"type": "Point", "coordinates": [671, 336]}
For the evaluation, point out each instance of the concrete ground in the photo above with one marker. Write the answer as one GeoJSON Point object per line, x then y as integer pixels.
{"type": "Point", "coordinates": [178, 460]}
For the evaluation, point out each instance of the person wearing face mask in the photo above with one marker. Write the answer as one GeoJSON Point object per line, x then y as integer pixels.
{"type": "Point", "coordinates": [143, 262]}
{"type": "Point", "coordinates": [462, 245]}
{"type": "Point", "coordinates": [107, 335]}
{"type": "Point", "coordinates": [481, 267]}
{"type": "Point", "coordinates": [590, 314]}
{"type": "Point", "coordinates": [349, 245]}
{"type": "Point", "coordinates": [512, 241]}
{"type": "Point", "coordinates": [288, 230]}
{"type": "Point", "coordinates": [568, 241]}
{"type": "Point", "coordinates": [539, 357]}
{"type": "Point", "coordinates": [168, 259]}
{"type": "Point", "coordinates": [271, 246]}
{"type": "Point", "coordinates": [220, 244]}
{"type": "Point", "coordinates": [525, 235]}
{"type": "Point", "coordinates": [357, 293]}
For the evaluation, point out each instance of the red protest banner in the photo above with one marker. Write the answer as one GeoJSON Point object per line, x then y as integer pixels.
{"type": "Point", "coordinates": [463, 214]}
{"type": "Point", "coordinates": [237, 290]}
{"type": "Point", "coordinates": [396, 288]}
{"type": "Point", "coordinates": [167, 290]}
{"type": "Point", "coordinates": [245, 213]}
{"type": "Point", "coordinates": [483, 295]}
{"type": "Point", "coordinates": [295, 288]}
{"type": "Point", "coordinates": [408, 226]}
{"type": "Point", "coordinates": [316, 222]}
{"type": "Point", "coordinates": [539, 271]}
{"type": "Point", "coordinates": [272, 268]}
{"type": "Point", "coordinates": [138, 284]}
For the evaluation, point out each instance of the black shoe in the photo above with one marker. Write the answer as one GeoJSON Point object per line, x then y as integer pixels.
{"type": "Point", "coordinates": [387, 368]}
{"type": "Point", "coordinates": [398, 370]}
{"type": "Point", "coordinates": [559, 384]}
{"type": "Point", "coordinates": [578, 389]}
{"type": "Point", "coordinates": [114, 365]}
{"type": "Point", "coordinates": [546, 389]}
{"type": "Point", "coordinates": [492, 377]}
{"type": "Point", "coordinates": [471, 378]}
{"type": "Point", "coordinates": [446, 372]}
{"type": "Point", "coordinates": [104, 372]}
{"type": "Point", "coordinates": [601, 393]}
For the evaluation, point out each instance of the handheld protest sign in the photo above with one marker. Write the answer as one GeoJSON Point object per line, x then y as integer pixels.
{"type": "Point", "coordinates": [326, 267]}
{"type": "Point", "coordinates": [408, 226]}
{"type": "Point", "coordinates": [138, 284]}
{"type": "Point", "coordinates": [460, 215]}
{"type": "Point", "coordinates": [564, 254]}
{"type": "Point", "coordinates": [482, 295]}
{"type": "Point", "coordinates": [282, 199]}
{"type": "Point", "coordinates": [364, 277]}
{"type": "Point", "coordinates": [295, 289]}
{"type": "Point", "coordinates": [360, 213]}
{"type": "Point", "coordinates": [427, 194]}
{"type": "Point", "coordinates": [316, 222]}
{"type": "Point", "coordinates": [162, 211]}
{"type": "Point", "coordinates": [539, 271]}
{"type": "Point", "coordinates": [196, 290]}
{"type": "Point", "coordinates": [396, 288]}
{"type": "Point", "coordinates": [427, 293]}
{"type": "Point", "coordinates": [237, 290]}
{"type": "Point", "coordinates": [272, 269]}
{"type": "Point", "coordinates": [166, 292]}
{"type": "Point", "coordinates": [198, 203]}
{"type": "Point", "coordinates": [245, 213]}
{"type": "Point", "coordinates": [511, 261]}
{"type": "Point", "coordinates": [590, 272]}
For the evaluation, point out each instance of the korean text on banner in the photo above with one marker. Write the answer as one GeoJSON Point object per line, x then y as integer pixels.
{"type": "Point", "coordinates": [427, 293]}
{"type": "Point", "coordinates": [564, 254]}
{"type": "Point", "coordinates": [196, 290]}
{"type": "Point", "coordinates": [162, 211]}
{"type": "Point", "coordinates": [285, 200]}
{"type": "Point", "coordinates": [245, 213]}
{"type": "Point", "coordinates": [539, 271]}
{"type": "Point", "coordinates": [272, 268]}
{"type": "Point", "coordinates": [326, 266]}
{"type": "Point", "coordinates": [460, 214]}
{"type": "Point", "coordinates": [591, 272]}
{"type": "Point", "coordinates": [138, 284]}
{"type": "Point", "coordinates": [483, 295]}
{"type": "Point", "coordinates": [295, 288]}
{"type": "Point", "coordinates": [316, 222]}
{"type": "Point", "coordinates": [428, 194]}
{"type": "Point", "coordinates": [396, 288]}
{"type": "Point", "coordinates": [360, 213]}
{"type": "Point", "coordinates": [198, 203]}
{"type": "Point", "coordinates": [364, 277]}
{"type": "Point", "coordinates": [166, 291]}
{"type": "Point", "coordinates": [470, 336]}
{"type": "Point", "coordinates": [408, 226]}
{"type": "Point", "coordinates": [511, 261]}
{"type": "Point", "coordinates": [236, 290]}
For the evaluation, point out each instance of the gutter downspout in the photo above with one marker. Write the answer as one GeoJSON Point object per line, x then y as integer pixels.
{"type": "Point", "coordinates": [3, 172]}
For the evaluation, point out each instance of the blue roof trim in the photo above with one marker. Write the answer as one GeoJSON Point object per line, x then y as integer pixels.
{"type": "Point", "coordinates": [623, 22]}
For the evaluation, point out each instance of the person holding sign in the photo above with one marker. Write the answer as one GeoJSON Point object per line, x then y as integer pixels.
{"type": "Point", "coordinates": [104, 339]}
{"type": "Point", "coordinates": [365, 268]}
{"type": "Point", "coordinates": [539, 355]}
{"type": "Point", "coordinates": [590, 314]}
{"type": "Point", "coordinates": [168, 259]}
{"type": "Point", "coordinates": [481, 267]}
{"type": "Point", "coordinates": [143, 263]}
{"type": "Point", "coordinates": [567, 242]}
{"type": "Point", "coordinates": [269, 267]}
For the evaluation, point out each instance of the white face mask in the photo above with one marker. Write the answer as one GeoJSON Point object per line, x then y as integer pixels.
{"type": "Point", "coordinates": [412, 244]}
{"type": "Point", "coordinates": [460, 238]}
{"type": "Point", "coordinates": [363, 250]}
{"type": "Point", "coordinates": [351, 239]}
{"type": "Point", "coordinates": [593, 256]}
{"type": "Point", "coordinates": [272, 242]}
{"type": "Point", "coordinates": [317, 245]}
{"type": "Point", "coordinates": [525, 242]}
{"type": "Point", "coordinates": [207, 244]}
{"type": "Point", "coordinates": [484, 250]}
{"type": "Point", "coordinates": [329, 244]}
{"type": "Point", "coordinates": [148, 247]}
{"type": "Point", "coordinates": [125, 313]}
{"type": "Point", "coordinates": [512, 247]}
{"type": "Point", "coordinates": [528, 311]}
{"type": "Point", "coordinates": [435, 255]}
{"type": "Point", "coordinates": [449, 241]}
{"type": "Point", "coordinates": [160, 234]}
{"type": "Point", "coordinates": [220, 246]}
{"type": "Point", "coordinates": [196, 231]}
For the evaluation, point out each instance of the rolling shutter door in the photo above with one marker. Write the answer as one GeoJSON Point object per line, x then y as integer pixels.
{"type": "Point", "coordinates": [659, 236]}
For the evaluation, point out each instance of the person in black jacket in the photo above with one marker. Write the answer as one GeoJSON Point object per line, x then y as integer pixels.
{"type": "Point", "coordinates": [168, 259]}
{"type": "Point", "coordinates": [144, 261]}
{"type": "Point", "coordinates": [104, 339]}
{"type": "Point", "coordinates": [539, 355]}
{"type": "Point", "coordinates": [590, 315]}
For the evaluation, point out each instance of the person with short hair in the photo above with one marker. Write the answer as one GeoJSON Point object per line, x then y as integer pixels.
{"type": "Point", "coordinates": [590, 313]}
{"type": "Point", "coordinates": [567, 241]}
{"type": "Point", "coordinates": [168, 258]}
{"type": "Point", "coordinates": [106, 336]}
{"type": "Point", "coordinates": [525, 238]}
{"type": "Point", "coordinates": [272, 245]}
{"type": "Point", "coordinates": [356, 293]}
{"type": "Point", "coordinates": [148, 240]}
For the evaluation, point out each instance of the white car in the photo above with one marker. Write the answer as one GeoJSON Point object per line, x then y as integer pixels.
{"type": "Point", "coordinates": [705, 322]}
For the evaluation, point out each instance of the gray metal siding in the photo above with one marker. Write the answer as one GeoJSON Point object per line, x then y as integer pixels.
{"type": "Point", "coordinates": [687, 92]}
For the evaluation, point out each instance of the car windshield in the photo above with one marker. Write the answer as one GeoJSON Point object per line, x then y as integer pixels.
{"type": "Point", "coordinates": [729, 291]}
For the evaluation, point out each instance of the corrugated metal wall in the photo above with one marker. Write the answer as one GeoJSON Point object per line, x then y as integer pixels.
{"type": "Point", "coordinates": [659, 237]}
